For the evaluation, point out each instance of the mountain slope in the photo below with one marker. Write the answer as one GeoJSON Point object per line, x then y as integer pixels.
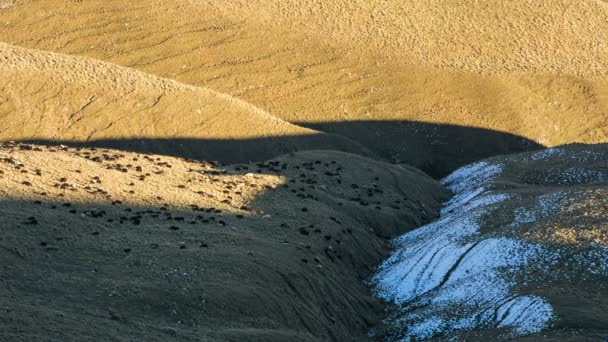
{"type": "Point", "coordinates": [106, 244]}
{"type": "Point", "coordinates": [54, 97]}
{"type": "Point", "coordinates": [512, 68]}
{"type": "Point", "coordinates": [521, 249]}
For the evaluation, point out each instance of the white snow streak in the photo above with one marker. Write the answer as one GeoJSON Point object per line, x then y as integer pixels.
{"type": "Point", "coordinates": [447, 277]}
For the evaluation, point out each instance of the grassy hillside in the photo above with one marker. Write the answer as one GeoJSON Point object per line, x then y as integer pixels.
{"type": "Point", "coordinates": [53, 97]}
{"type": "Point", "coordinates": [105, 244]}
{"type": "Point", "coordinates": [236, 170]}
{"type": "Point", "coordinates": [530, 68]}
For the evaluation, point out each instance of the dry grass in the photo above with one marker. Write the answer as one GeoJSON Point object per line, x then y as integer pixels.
{"type": "Point", "coordinates": [531, 68]}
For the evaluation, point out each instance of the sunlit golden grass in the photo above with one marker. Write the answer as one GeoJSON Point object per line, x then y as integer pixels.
{"type": "Point", "coordinates": [533, 69]}
{"type": "Point", "coordinates": [51, 175]}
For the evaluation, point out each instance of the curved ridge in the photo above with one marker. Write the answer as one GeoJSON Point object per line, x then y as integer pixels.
{"type": "Point", "coordinates": [55, 97]}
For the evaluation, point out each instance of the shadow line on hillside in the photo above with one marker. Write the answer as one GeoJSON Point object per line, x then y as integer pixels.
{"type": "Point", "coordinates": [436, 149]}
{"type": "Point", "coordinates": [126, 265]}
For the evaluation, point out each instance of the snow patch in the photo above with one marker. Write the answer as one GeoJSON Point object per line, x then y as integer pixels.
{"type": "Point", "coordinates": [526, 314]}
{"type": "Point", "coordinates": [424, 256]}
{"type": "Point", "coordinates": [446, 276]}
{"type": "Point", "coordinates": [547, 154]}
{"type": "Point", "coordinates": [471, 177]}
{"type": "Point", "coordinates": [545, 206]}
{"type": "Point", "coordinates": [575, 175]}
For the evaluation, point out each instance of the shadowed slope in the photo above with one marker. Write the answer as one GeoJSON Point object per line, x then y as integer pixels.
{"type": "Point", "coordinates": [414, 143]}
{"type": "Point", "coordinates": [436, 149]}
{"type": "Point", "coordinates": [106, 244]}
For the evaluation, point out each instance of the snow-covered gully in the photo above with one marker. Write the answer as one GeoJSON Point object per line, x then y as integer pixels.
{"type": "Point", "coordinates": [446, 277]}
{"type": "Point", "coordinates": [449, 276]}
